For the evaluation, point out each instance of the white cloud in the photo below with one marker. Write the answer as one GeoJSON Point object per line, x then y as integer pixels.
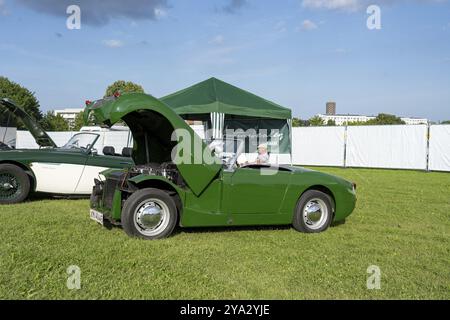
{"type": "Point", "coordinates": [347, 5]}
{"type": "Point", "coordinates": [113, 43]}
{"type": "Point", "coordinates": [354, 5]}
{"type": "Point", "coordinates": [3, 10]}
{"type": "Point", "coordinates": [307, 25]}
{"type": "Point", "coordinates": [160, 13]}
{"type": "Point", "coordinates": [219, 39]}
{"type": "Point", "coordinates": [100, 13]}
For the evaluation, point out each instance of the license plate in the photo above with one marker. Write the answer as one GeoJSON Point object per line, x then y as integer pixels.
{"type": "Point", "coordinates": [96, 216]}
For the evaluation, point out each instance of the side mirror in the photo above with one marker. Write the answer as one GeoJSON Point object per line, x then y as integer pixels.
{"type": "Point", "coordinates": [94, 152]}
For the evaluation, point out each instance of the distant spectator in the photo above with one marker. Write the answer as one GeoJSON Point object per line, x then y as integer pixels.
{"type": "Point", "coordinates": [263, 155]}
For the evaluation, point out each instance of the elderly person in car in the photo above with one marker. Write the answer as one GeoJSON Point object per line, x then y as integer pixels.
{"type": "Point", "coordinates": [262, 158]}
{"type": "Point", "coordinates": [263, 155]}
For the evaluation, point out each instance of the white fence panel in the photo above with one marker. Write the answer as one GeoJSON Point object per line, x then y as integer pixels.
{"type": "Point", "coordinates": [116, 139]}
{"type": "Point", "coordinates": [398, 147]}
{"type": "Point", "coordinates": [8, 135]}
{"type": "Point", "coordinates": [61, 138]}
{"type": "Point", "coordinates": [318, 146]}
{"type": "Point", "coordinates": [439, 154]}
{"type": "Point", "coordinates": [394, 147]}
{"type": "Point", "coordinates": [24, 139]}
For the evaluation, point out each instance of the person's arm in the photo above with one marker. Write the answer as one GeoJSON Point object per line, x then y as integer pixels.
{"type": "Point", "coordinates": [264, 159]}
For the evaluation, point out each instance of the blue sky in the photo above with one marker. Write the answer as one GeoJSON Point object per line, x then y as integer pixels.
{"type": "Point", "coordinates": [298, 53]}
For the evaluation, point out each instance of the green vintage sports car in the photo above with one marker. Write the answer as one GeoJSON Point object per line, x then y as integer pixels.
{"type": "Point", "coordinates": [152, 197]}
{"type": "Point", "coordinates": [66, 170]}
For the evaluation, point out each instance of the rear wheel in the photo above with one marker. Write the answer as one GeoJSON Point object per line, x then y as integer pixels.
{"type": "Point", "coordinates": [14, 184]}
{"type": "Point", "coordinates": [314, 212]}
{"type": "Point", "coordinates": [149, 214]}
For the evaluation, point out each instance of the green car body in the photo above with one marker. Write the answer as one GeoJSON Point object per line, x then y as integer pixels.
{"type": "Point", "coordinates": [50, 169]}
{"type": "Point", "coordinates": [204, 194]}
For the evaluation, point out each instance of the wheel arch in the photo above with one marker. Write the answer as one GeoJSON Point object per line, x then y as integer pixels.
{"type": "Point", "coordinates": [162, 185]}
{"type": "Point", "coordinates": [324, 189]}
{"type": "Point", "coordinates": [25, 168]}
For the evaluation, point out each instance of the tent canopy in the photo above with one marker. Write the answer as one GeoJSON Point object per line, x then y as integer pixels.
{"type": "Point", "coordinates": [214, 95]}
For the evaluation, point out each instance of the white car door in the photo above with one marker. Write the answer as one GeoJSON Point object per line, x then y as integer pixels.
{"type": "Point", "coordinates": [86, 182]}
{"type": "Point", "coordinates": [59, 178]}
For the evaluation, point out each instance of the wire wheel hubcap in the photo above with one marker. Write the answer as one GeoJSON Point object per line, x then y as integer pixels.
{"type": "Point", "coordinates": [9, 186]}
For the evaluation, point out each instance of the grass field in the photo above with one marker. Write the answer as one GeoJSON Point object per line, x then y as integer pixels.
{"type": "Point", "coordinates": [401, 224]}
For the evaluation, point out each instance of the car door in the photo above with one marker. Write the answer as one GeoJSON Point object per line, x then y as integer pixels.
{"type": "Point", "coordinates": [58, 171]}
{"type": "Point", "coordinates": [94, 165]}
{"type": "Point", "coordinates": [253, 192]}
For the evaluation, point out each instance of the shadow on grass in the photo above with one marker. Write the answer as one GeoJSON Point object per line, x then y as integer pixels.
{"type": "Point", "coordinates": [48, 196]}
{"type": "Point", "coordinates": [241, 228]}
{"type": "Point", "coordinates": [179, 230]}
{"type": "Point", "coordinates": [337, 223]}
{"type": "Point", "coordinates": [230, 229]}
{"type": "Point", "coordinates": [201, 230]}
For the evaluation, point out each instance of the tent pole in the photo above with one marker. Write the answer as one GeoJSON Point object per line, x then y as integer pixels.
{"type": "Point", "coordinates": [290, 139]}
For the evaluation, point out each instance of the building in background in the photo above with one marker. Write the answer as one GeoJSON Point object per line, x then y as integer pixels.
{"type": "Point", "coordinates": [69, 114]}
{"type": "Point", "coordinates": [331, 108]}
{"type": "Point", "coordinates": [343, 119]}
{"type": "Point", "coordinates": [415, 120]}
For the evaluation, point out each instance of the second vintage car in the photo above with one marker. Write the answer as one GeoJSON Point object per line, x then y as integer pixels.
{"type": "Point", "coordinates": [66, 170]}
{"type": "Point", "coordinates": [158, 193]}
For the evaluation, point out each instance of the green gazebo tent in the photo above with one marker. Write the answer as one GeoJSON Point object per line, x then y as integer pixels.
{"type": "Point", "coordinates": [223, 106]}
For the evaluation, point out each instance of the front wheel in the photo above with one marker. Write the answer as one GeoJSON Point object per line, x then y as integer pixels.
{"type": "Point", "coordinates": [14, 184]}
{"type": "Point", "coordinates": [314, 212]}
{"type": "Point", "coordinates": [149, 214]}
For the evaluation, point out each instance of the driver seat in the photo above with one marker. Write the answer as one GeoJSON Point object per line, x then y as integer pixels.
{"type": "Point", "coordinates": [109, 151]}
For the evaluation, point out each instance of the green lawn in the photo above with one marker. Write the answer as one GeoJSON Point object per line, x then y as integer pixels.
{"type": "Point", "coordinates": [401, 224]}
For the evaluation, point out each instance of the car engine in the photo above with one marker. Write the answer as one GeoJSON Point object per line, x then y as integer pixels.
{"type": "Point", "coordinates": [167, 170]}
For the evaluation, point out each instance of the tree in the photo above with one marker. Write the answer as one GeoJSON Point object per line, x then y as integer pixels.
{"type": "Point", "coordinates": [22, 97]}
{"type": "Point", "coordinates": [357, 123]}
{"type": "Point", "coordinates": [122, 87]}
{"type": "Point", "coordinates": [331, 123]}
{"type": "Point", "coordinates": [316, 121]}
{"type": "Point", "coordinates": [445, 122]}
{"type": "Point", "coordinates": [384, 118]}
{"type": "Point", "coordinates": [79, 122]}
{"type": "Point", "coordinates": [52, 122]}
{"type": "Point", "coordinates": [297, 122]}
